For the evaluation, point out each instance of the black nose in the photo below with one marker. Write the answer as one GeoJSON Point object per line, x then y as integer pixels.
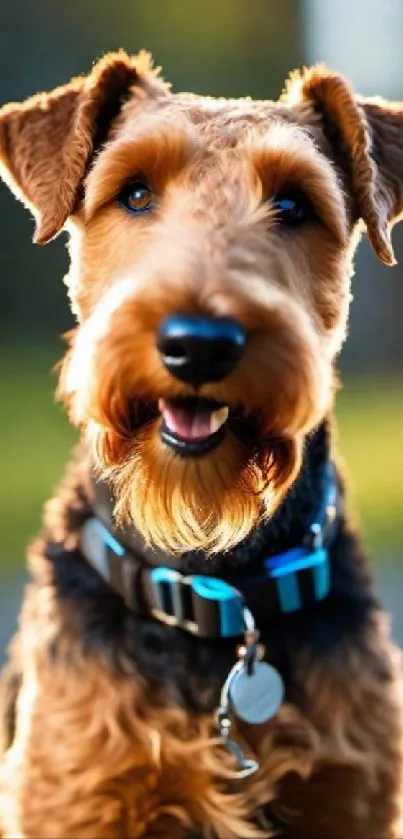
{"type": "Point", "coordinates": [198, 349]}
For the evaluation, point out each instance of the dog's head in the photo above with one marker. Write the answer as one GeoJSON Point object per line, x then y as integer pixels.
{"type": "Point", "coordinates": [211, 247]}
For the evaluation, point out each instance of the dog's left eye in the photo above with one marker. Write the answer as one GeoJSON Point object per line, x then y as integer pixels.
{"type": "Point", "coordinates": [293, 207]}
{"type": "Point", "coordinates": [136, 197]}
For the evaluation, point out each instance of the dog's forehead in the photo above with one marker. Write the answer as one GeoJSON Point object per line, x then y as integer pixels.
{"type": "Point", "coordinates": [215, 121]}
{"type": "Point", "coordinates": [231, 115]}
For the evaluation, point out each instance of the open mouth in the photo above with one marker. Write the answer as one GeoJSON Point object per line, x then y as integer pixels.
{"type": "Point", "coordinates": [193, 426]}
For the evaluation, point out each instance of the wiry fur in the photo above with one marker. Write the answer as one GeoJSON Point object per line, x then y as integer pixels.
{"type": "Point", "coordinates": [109, 727]}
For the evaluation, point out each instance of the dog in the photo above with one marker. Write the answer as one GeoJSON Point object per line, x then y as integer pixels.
{"type": "Point", "coordinates": [201, 651]}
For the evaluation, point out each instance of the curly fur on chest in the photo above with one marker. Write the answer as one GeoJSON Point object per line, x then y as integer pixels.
{"type": "Point", "coordinates": [118, 710]}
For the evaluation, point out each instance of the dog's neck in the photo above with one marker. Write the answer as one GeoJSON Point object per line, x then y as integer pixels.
{"type": "Point", "coordinates": [282, 567]}
{"type": "Point", "coordinates": [286, 529]}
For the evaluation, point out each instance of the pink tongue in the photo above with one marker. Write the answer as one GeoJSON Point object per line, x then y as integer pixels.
{"type": "Point", "coordinates": [187, 424]}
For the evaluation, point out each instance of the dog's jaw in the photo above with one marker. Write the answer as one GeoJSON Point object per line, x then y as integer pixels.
{"type": "Point", "coordinates": [207, 502]}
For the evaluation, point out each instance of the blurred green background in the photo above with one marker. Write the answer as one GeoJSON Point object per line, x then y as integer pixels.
{"type": "Point", "coordinates": [223, 47]}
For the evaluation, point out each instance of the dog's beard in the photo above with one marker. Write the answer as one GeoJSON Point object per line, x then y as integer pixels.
{"type": "Point", "coordinates": [209, 503]}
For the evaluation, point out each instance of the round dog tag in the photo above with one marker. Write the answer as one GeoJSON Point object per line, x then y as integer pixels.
{"type": "Point", "coordinates": [255, 698]}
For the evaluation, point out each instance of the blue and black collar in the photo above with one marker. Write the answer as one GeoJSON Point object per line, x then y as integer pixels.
{"type": "Point", "coordinates": [211, 606]}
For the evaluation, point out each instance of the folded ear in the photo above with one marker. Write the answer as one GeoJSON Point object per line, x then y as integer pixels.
{"type": "Point", "coordinates": [367, 136]}
{"type": "Point", "coordinates": [46, 143]}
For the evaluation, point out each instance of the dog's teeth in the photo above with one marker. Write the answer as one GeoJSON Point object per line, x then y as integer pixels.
{"type": "Point", "coordinates": [218, 418]}
{"type": "Point", "coordinates": [162, 405]}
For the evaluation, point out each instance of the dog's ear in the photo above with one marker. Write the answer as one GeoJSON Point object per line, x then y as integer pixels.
{"type": "Point", "coordinates": [46, 143]}
{"type": "Point", "coordinates": [367, 136]}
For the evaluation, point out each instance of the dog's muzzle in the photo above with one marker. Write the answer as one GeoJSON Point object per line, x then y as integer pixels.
{"type": "Point", "coordinates": [197, 350]}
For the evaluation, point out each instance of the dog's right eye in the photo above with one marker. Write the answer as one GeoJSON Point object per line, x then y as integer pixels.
{"type": "Point", "coordinates": [136, 197]}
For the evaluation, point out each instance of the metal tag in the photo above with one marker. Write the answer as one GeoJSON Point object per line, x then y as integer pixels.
{"type": "Point", "coordinates": [256, 697]}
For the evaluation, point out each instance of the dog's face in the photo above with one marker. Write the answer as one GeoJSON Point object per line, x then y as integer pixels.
{"type": "Point", "coordinates": [205, 217]}
{"type": "Point", "coordinates": [211, 246]}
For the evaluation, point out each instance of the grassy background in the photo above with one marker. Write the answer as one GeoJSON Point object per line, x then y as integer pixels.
{"type": "Point", "coordinates": [36, 438]}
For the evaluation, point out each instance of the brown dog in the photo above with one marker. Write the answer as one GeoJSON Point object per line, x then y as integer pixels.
{"type": "Point", "coordinates": [211, 248]}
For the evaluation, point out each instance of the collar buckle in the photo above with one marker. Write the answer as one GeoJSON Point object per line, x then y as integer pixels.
{"type": "Point", "coordinates": [204, 606]}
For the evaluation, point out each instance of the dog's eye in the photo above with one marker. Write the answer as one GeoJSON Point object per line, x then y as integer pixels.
{"type": "Point", "coordinates": [293, 207]}
{"type": "Point", "coordinates": [136, 197]}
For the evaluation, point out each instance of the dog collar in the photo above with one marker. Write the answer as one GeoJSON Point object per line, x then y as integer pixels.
{"type": "Point", "coordinates": [210, 606]}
